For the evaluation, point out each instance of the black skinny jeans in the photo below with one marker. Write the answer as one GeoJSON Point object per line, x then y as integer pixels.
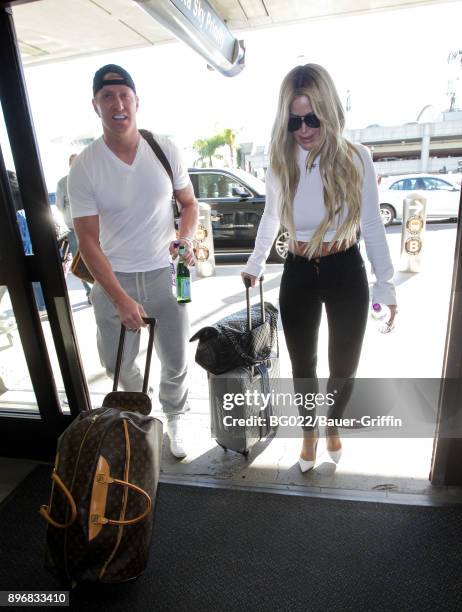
{"type": "Point", "coordinates": [340, 282]}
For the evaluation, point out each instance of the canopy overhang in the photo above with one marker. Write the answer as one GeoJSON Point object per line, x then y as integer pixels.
{"type": "Point", "coordinates": [54, 30]}
{"type": "Point", "coordinates": [198, 25]}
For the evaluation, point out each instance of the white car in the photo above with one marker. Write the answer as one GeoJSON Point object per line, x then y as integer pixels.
{"type": "Point", "coordinates": [442, 196]}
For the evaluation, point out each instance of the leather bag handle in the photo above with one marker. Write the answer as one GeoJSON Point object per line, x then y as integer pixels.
{"type": "Point", "coordinates": [45, 510]}
{"type": "Point", "coordinates": [102, 520]}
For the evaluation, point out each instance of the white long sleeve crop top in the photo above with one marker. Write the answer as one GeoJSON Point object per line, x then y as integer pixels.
{"type": "Point", "coordinates": [309, 211]}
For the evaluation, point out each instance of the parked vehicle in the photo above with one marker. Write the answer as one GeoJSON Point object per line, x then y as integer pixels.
{"type": "Point", "coordinates": [442, 196]}
{"type": "Point", "coordinates": [237, 201]}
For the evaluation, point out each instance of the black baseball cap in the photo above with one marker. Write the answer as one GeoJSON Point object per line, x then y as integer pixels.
{"type": "Point", "coordinates": [99, 81]}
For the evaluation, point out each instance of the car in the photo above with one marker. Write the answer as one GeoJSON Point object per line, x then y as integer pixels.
{"type": "Point", "coordinates": [442, 196]}
{"type": "Point", "coordinates": [237, 201]}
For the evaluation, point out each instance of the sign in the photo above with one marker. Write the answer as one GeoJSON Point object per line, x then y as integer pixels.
{"type": "Point", "coordinates": [414, 224]}
{"type": "Point", "coordinates": [197, 24]}
{"type": "Point", "coordinates": [202, 16]}
{"type": "Point", "coordinates": [201, 233]}
{"type": "Point", "coordinates": [413, 246]}
{"type": "Point", "coordinates": [412, 234]}
{"type": "Point", "coordinates": [203, 244]}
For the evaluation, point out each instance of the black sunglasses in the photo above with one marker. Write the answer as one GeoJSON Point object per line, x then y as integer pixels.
{"type": "Point", "coordinates": [295, 122]}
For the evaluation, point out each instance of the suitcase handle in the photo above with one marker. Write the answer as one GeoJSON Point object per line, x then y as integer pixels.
{"type": "Point", "coordinates": [102, 520]}
{"type": "Point", "coordinates": [45, 510]}
{"type": "Point", "coordinates": [152, 324]}
{"type": "Point", "coordinates": [247, 297]}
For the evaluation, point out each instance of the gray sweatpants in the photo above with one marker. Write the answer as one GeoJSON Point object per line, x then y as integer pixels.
{"type": "Point", "coordinates": [153, 290]}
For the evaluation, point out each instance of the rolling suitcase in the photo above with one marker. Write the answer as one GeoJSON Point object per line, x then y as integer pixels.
{"type": "Point", "coordinates": [238, 425]}
{"type": "Point", "coordinates": [104, 484]}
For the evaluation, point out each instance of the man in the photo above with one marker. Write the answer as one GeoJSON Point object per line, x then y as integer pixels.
{"type": "Point", "coordinates": [121, 204]}
{"type": "Point", "coordinates": [62, 202]}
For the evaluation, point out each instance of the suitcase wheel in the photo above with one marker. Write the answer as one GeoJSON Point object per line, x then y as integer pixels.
{"type": "Point", "coordinates": [223, 447]}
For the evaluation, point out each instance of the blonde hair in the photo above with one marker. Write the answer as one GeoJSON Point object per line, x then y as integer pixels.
{"type": "Point", "coordinates": [341, 178]}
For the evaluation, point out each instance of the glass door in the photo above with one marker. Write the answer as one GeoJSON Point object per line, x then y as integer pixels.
{"type": "Point", "coordinates": [36, 327]}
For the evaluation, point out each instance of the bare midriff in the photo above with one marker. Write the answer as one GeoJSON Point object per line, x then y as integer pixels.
{"type": "Point", "coordinates": [325, 250]}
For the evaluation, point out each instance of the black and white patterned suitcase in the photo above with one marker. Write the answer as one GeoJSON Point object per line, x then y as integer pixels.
{"type": "Point", "coordinates": [240, 399]}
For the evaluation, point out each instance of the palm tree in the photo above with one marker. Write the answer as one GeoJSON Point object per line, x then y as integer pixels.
{"type": "Point", "coordinates": [230, 139]}
{"type": "Point", "coordinates": [207, 148]}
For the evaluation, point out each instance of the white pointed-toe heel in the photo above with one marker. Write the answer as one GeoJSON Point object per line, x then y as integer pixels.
{"type": "Point", "coordinates": [335, 455]}
{"type": "Point", "coordinates": [308, 464]}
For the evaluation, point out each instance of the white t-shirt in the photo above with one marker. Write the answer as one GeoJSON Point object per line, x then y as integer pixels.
{"type": "Point", "coordinates": [309, 211]}
{"type": "Point", "coordinates": [133, 202]}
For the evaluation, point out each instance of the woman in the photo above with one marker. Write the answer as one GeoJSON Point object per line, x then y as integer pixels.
{"type": "Point", "coordinates": [323, 190]}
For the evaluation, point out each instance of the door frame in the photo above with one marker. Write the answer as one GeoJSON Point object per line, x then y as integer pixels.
{"type": "Point", "coordinates": [33, 434]}
{"type": "Point", "coordinates": [447, 445]}
{"type": "Point", "coordinates": [22, 435]}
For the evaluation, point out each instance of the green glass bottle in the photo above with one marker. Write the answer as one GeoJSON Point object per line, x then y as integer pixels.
{"type": "Point", "coordinates": [183, 279]}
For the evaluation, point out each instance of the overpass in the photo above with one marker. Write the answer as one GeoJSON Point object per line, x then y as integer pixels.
{"type": "Point", "coordinates": [400, 149]}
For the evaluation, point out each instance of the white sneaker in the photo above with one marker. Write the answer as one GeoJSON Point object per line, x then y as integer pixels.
{"type": "Point", "coordinates": [174, 432]}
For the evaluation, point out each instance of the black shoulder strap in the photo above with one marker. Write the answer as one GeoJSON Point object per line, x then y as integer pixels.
{"type": "Point", "coordinates": [152, 142]}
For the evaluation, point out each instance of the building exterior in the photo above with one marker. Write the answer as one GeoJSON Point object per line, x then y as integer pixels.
{"type": "Point", "coordinates": [414, 147]}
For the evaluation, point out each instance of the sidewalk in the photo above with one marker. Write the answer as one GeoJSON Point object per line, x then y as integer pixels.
{"type": "Point", "coordinates": [376, 467]}
{"type": "Point", "coordinates": [414, 350]}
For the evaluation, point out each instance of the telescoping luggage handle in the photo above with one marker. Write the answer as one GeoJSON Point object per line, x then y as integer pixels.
{"type": "Point", "coordinates": [247, 297]}
{"type": "Point", "coordinates": [152, 324]}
